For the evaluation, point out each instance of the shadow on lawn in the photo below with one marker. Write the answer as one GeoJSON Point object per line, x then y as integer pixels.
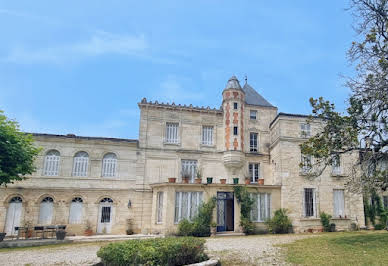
{"type": "Point", "coordinates": [371, 241]}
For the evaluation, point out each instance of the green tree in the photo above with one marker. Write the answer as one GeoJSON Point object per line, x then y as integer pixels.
{"type": "Point", "coordinates": [17, 153]}
{"type": "Point", "coordinates": [363, 129]}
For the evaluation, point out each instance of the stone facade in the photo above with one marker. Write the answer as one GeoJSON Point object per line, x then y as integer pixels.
{"type": "Point", "coordinates": [245, 138]}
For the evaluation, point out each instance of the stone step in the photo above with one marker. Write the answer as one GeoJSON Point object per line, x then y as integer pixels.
{"type": "Point", "coordinates": [222, 234]}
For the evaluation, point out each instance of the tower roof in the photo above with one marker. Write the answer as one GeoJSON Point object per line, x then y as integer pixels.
{"type": "Point", "coordinates": [252, 97]}
{"type": "Point", "coordinates": [233, 84]}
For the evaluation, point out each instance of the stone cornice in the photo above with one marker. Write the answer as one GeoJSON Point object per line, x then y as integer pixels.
{"type": "Point", "coordinates": [173, 106]}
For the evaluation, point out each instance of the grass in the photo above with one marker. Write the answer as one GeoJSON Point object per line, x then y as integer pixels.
{"type": "Point", "coordinates": [347, 248]}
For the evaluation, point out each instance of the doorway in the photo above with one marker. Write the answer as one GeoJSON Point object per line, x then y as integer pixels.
{"type": "Point", "coordinates": [104, 225]}
{"type": "Point", "coordinates": [14, 214]}
{"type": "Point", "coordinates": [225, 211]}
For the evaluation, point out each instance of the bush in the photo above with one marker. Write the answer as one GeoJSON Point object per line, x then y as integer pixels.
{"type": "Point", "coordinates": [280, 223]}
{"type": "Point", "coordinates": [325, 221]}
{"type": "Point", "coordinates": [201, 222]}
{"type": "Point", "coordinates": [248, 226]}
{"type": "Point", "coordinates": [160, 251]}
{"type": "Point", "coordinates": [244, 198]}
{"type": "Point", "coordinates": [379, 226]}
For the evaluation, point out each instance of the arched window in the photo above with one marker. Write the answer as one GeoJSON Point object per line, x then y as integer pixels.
{"type": "Point", "coordinates": [75, 216]}
{"type": "Point", "coordinates": [109, 165]}
{"type": "Point", "coordinates": [51, 163]}
{"type": "Point", "coordinates": [106, 200]}
{"type": "Point", "coordinates": [14, 214]}
{"type": "Point", "coordinates": [46, 211]}
{"type": "Point", "coordinates": [81, 162]}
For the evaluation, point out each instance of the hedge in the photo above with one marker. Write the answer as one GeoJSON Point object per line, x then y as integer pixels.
{"type": "Point", "coordinates": [158, 251]}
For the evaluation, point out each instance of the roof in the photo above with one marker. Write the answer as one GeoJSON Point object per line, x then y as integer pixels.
{"type": "Point", "coordinates": [72, 136]}
{"type": "Point", "coordinates": [252, 97]}
{"type": "Point", "coordinates": [290, 115]}
{"type": "Point", "coordinates": [233, 84]}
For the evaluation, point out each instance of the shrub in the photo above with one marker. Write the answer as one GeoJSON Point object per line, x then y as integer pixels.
{"type": "Point", "coordinates": [160, 251]}
{"type": "Point", "coordinates": [246, 202]}
{"type": "Point", "coordinates": [379, 226]}
{"type": "Point", "coordinates": [201, 222]}
{"type": "Point", "coordinates": [325, 221]}
{"type": "Point", "coordinates": [248, 226]}
{"type": "Point", "coordinates": [280, 223]}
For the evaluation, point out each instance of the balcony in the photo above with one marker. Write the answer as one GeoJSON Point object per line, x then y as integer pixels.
{"type": "Point", "coordinates": [233, 159]}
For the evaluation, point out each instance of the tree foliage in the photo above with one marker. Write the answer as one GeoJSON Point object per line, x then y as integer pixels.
{"type": "Point", "coordinates": [17, 153]}
{"type": "Point", "coordinates": [363, 130]}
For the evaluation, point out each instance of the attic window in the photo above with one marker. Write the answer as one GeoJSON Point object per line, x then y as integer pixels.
{"type": "Point", "coordinates": [235, 106]}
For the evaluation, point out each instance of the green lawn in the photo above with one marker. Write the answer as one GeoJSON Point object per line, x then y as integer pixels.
{"type": "Point", "coordinates": [347, 248]}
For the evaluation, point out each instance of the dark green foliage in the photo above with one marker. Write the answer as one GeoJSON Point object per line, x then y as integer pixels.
{"type": "Point", "coordinates": [246, 202]}
{"type": "Point", "coordinates": [159, 251]}
{"type": "Point", "coordinates": [17, 153]}
{"type": "Point", "coordinates": [379, 226]}
{"type": "Point", "coordinates": [201, 222]}
{"type": "Point", "coordinates": [375, 209]}
{"type": "Point", "coordinates": [279, 223]}
{"type": "Point", "coordinates": [325, 221]}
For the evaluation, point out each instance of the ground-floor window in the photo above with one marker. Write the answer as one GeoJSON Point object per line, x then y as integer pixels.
{"type": "Point", "coordinates": [186, 205]}
{"type": "Point", "coordinates": [309, 202]}
{"type": "Point", "coordinates": [159, 206]}
{"type": "Point", "coordinates": [261, 208]}
{"type": "Point", "coordinates": [339, 202]}
{"type": "Point", "coordinates": [75, 216]}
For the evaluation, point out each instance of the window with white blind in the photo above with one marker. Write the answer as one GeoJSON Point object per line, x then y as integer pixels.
{"type": "Point", "coordinates": [189, 168]}
{"type": "Point", "coordinates": [261, 208]}
{"type": "Point", "coordinates": [51, 163]}
{"type": "Point", "coordinates": [305, 130]}
{"type": "Point", "coordinates": [306, 163]}
{"type": "Point", "coordinates": [253, 114]}
{"type": "Point", "coordinates": [339, 203]}
{"type": "Point", "coordinates": [207, 135]}
{"type": "Point", "coordinates": [254, 172]}
{"type": "Point", "coordinates": [80, 164]}
{"type": "Point", "coordinates": [75, 216]}
{"type": "Point", "coordinates": [109, 165]}
{"type": "Point", "coordinates": [253, 143]}
{"type": "Point", "coordinates": [159, 207]}
{"type": "Point", "coordinates": [336, 165]}
{"type": "Point", "coordinates": [172, 134]}
{"type": "Point", "coordinates": [46, 211]}
{"type": "Point", "coordinates": [186, 205]}
{"type": "Point", "coordinates": [309, 202]}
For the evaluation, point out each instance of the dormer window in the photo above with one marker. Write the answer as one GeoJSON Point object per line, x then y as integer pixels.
{"type": "Point", "coordinates": [235, 106]}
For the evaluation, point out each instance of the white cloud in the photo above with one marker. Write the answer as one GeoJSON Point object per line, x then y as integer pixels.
{"type": "Point", "coordinates": [98, 44]}
{"type": "Point", "coordinates": [172, 90]}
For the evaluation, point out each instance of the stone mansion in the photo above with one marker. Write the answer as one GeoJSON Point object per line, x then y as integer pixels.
{"type": "Point", "coordinates": [110, 185]}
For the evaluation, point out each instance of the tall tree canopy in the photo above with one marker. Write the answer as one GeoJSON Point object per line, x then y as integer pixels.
{"type": "Point", "coordinates": [17, 153]}
{"type": "Point", "coordinates": [363, 130]}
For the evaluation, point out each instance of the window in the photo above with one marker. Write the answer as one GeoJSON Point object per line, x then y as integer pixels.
{"type": "Point", "coordinates": [339, 203]}
{"type": "Point", "coordinates": [46, 211]}
{"type": "Point", "coordinates": [51, 163]}
{"type": "Point", "coordinates": [309, 202]}
{"type": "Point", "coordinates": [159, 206]}
{"type": "Point", "coordinates": [306, 163]}
{"type": "Point", "coordinates": [261, 208]}
{"type": "Point", "coordinates": [235, 131]}
{"type": "Point", "coordinates": [305, 130]}
{"type": "Point", "coordinates": [207, 135]}
{"type": "Point", "coordinates": [186, 205]}
{"type": "Point", "coordinates": [235, 106]}
{"type": "Point", "coordinates": [253, 142]}
{"type": "Point", "coordinates": [189, 169]}
{"type": "Point", "coordinates": [172, 135]}
{"type": "Point", "coordinates": [253, 114]}
{"type": "Point", "coordinates": [80, 165]}
{"type": "Point", "coordinates": [336, 165]}
{"type": "Point", "coordinates": [75, 216]}
{"type": "Point", "coordinates": [385, 200]}
{"type": "Point", "coordinates": [109, 165]}
{"type": "Point", "coordinates": [254, 172]}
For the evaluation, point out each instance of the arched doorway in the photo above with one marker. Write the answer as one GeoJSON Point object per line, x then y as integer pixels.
{"type": "Point", "coordinates": [105, 215]}
{"type": "Point", "coordinates": [46, 211]}
{"type": "Point", "coordinates": [14, 215]}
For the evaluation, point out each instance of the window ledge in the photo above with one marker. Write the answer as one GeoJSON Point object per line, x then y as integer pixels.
{"type": "Point", "coordinates": [338, 175]}
{"type": "Point", "coordinates": [207, 145]}
{"type": "Point", "coordinates": [310, 219]}
{"type": "Point", "coordinates": [172, 144]}
{"type": "Point", "coordinates": [303, 173]}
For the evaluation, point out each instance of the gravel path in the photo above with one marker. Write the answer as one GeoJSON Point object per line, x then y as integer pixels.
{"type": "Point", "coordinates": [236, 250]}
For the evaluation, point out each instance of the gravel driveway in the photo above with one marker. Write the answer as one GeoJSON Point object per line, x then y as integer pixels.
{"type": "Point", "coordinates": [236, 250]}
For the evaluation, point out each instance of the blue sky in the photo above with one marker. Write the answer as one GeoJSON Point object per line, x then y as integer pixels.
{"type": "Point", "coordinates": [82, 66]}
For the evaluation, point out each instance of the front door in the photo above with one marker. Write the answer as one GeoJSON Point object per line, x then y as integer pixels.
{"type": "Point", "coordinates": [13, 217]}
{"type": "Point", "coordinates": [105, 218]}
{"type": "Point", "coordinates": [225, 211]}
